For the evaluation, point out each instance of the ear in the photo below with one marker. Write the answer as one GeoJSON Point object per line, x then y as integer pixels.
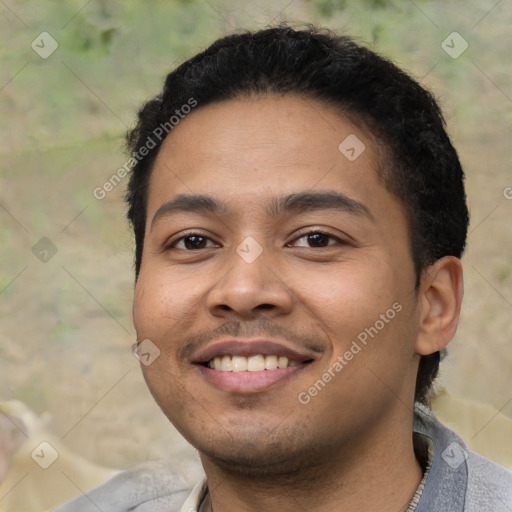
{"type": "Point", "coordinates": [440, 300]}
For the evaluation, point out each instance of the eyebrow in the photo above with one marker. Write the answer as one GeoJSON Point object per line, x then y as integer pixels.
{"type": "Point", "coordinates": [296, 203]}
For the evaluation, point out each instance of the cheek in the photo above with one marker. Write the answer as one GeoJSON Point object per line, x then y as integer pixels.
{"type": "Point", "coordinates": [161, 299]}
{"type": "Point", "coordinates": [161, 310]}
{"type": "Point", "coordinates": [347, 300]}
{"type": "Point", "coordinates": [366, 313]}
{"type": "Point", "coordinates": [146, 305]}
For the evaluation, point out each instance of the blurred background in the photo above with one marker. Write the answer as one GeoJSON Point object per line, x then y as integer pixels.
{"type": "Point", "coordinates": [72, 76]}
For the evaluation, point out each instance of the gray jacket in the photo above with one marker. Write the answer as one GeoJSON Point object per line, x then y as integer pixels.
{"type": "Point", "coordinates": [459, 480]}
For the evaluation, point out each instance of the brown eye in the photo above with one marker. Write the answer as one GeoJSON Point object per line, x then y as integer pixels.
{"type": "Point", "coordinates": [195, 242]}
{"type": "Point", "coordinates": [191, 242]}
{"type": "Point", "coordinates": [316, 239]}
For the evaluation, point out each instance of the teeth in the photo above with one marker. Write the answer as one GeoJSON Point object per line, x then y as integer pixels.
{"type": "Point", "coordinates": [255, 363]}
{"type": "Point", "coordinates": [239, 363]}
{"type": "Point", "coordinates": [271, 363]}
{"type": "Point", "coordinates": [226, 365]}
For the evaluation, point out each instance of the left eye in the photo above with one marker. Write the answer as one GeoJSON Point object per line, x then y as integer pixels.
{"type": "Point", "coordinates": [316, 239]}
{"type": "Point", "coordinates": [191, 242]}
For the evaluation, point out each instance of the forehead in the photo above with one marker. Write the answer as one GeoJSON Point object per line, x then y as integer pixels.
{"type": "Point", "coordinates": [246, 150]}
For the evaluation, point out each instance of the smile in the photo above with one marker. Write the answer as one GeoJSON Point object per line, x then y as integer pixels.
{"type": "Point", "coordinates": [242, 365]}
{"type": "Point", "coordinates": [254, 363]}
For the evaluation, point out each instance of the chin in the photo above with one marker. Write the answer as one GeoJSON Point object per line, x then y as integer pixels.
{"type": "Point", "coordinates": [259, 453]}
{"type": "Point", "coordinates": [256, 461]}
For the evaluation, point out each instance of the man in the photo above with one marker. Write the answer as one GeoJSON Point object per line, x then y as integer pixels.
{"type": "Point", "coordinates": [299, 216]}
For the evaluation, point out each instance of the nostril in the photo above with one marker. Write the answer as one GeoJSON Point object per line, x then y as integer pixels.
{"type": "Point", "coordinates": [266, 306]}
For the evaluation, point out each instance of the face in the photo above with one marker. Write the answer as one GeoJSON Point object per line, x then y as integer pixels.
{"type": "Point", "coordinates": [277, 283]}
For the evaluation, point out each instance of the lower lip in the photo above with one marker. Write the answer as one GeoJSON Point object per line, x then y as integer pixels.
{"type": "Point", "coordinates": [248, 382]}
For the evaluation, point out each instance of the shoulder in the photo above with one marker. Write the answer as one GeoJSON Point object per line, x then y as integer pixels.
{"type": "Point", "coordinates": [153, 486]}
{"type": "Point", "coordinates": [489, 485]}
{"type": "Point", "coordinates": [468, 482]}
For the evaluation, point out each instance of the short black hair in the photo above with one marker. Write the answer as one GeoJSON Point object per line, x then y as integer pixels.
{"type": "Point", "coordinates": [419, 164]}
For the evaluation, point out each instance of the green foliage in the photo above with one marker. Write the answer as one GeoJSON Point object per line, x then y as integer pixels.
{"type": "Point", "coordinates": [328, 8]}
{"type": "Point", "coordinates": [64, 332]}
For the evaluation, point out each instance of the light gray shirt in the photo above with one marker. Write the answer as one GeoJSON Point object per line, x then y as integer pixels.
{"type": "Point", "coordinates": [456, 480]}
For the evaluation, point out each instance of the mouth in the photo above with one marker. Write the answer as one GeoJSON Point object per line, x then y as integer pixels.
{"type": "Point", "coordinates": [254, 363]}
{"type": "Point", "coordinates": [242, 366]}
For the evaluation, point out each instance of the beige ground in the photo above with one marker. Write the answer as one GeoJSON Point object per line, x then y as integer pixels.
{"type": "Point", "coordinates": [65, 331]}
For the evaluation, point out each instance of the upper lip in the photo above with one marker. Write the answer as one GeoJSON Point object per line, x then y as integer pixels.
{"type": "Point", "coordinates": [247, 347]}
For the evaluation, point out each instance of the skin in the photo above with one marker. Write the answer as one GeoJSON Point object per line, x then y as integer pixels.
{"type": "Point", "coordinates": [349, 446]}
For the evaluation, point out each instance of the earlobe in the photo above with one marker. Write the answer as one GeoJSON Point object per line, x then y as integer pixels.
{"type": "Point", "coordinates": [440, 299]}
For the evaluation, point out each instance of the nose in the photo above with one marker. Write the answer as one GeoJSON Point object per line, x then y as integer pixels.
{"type": "Point", "coordinates": [247, 290]}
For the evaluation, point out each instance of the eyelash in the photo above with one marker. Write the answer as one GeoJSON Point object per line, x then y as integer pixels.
{"type": "Point", "coordinates": [302, 234]}
{"type": "Point", "coordinates": [313, 231]}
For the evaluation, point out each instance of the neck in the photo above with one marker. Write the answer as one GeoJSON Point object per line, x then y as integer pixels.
{"type": "Point", "coordinates": [379, 472]}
